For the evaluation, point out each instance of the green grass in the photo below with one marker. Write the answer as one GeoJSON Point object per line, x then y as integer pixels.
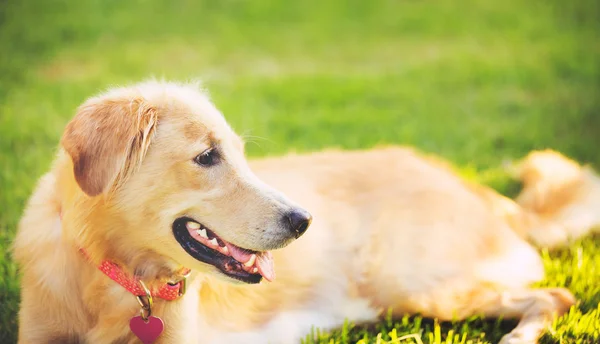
{"type": "Point", "coordinates": [475, 81]}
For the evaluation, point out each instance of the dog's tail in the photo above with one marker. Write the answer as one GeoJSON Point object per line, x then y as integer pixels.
{"type": "Point", "coordinates": [560, 199]}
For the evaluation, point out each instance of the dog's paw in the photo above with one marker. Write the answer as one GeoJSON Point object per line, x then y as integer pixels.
{"type": "Point", "coordinates": [524, 335]}
{"type": "Point", "coordinates": [563, 299]}
{"type": "Point", "coordinates": [518, 338]}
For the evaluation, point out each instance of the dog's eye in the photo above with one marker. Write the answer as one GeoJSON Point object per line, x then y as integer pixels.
{"type": "Point", "coordinates": [209, 157]}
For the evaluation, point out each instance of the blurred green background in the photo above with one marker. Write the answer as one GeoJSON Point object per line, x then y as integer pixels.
{"type": "Point", "coordinates": [475, 81]}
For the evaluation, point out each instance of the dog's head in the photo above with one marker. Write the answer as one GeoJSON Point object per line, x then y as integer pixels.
{"type": "Point", "coordinates": [172, 174]}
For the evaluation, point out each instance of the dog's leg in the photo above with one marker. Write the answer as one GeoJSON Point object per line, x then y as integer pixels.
{"type": "Point", "coordinates": [42, 319]}
{"type": "Point", "coordinates": [534, 307]}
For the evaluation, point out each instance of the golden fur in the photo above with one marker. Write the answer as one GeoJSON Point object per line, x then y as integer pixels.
{"type": "Point", "coordinates": [392, 228]}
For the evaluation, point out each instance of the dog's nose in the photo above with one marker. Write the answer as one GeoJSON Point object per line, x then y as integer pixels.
{"type": "Point", "coordinates": [299, 220]}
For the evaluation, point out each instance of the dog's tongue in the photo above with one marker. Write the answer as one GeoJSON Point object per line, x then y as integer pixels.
{"type": "Point", "coordinates": [265, 265]}
{"type": "Point", "coordinates": [264, 260]}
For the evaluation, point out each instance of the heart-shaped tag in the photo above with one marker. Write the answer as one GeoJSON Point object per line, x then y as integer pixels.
{"type": "Point", "coordinates": [146, 331]}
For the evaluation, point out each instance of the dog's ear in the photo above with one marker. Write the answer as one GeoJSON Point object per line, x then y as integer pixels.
{"type": "Point", "coordinates": [107, 140]}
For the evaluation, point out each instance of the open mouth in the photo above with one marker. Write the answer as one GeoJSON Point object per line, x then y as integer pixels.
{"type": "Point", "coordinates": [204, 245]}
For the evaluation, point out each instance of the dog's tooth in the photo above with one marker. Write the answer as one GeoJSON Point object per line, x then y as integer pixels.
{"type": "Point", "coordinates": [225, 250]}
{"type": "Point", "coordinates": [214, 242]}
{"type": "Point", "coordinates": [202, 233]}
{"type": "Point", "coordinates": [250, 261]}
{"type": "Point", "coordinates": [192, 225]}
{"type": "Point", "coordinates": [255, 270]}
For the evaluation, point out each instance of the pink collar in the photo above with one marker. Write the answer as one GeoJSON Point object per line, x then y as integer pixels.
{"type": "Point", "coordinates": [132, 284]}
{"type": "Point", "coordinates": [167, 291]}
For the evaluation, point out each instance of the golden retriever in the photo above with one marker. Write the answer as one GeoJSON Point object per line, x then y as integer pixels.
{"type": "Point", "coordinates": [151, 181]}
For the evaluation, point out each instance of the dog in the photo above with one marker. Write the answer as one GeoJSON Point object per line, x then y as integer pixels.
{"type": "Point", "coordinates": [152, 226]}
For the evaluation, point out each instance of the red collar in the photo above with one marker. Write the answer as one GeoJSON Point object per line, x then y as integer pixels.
{"type": "Point", "coordinates": [167, 291]}
{"type": "Point", "coordinates": [132, 284]}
